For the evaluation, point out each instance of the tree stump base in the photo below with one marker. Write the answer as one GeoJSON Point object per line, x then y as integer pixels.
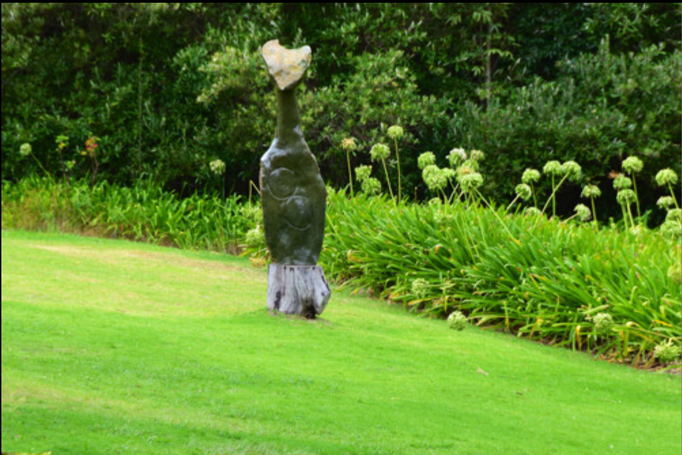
{"type": "Point", "coordinates": [297, 289]}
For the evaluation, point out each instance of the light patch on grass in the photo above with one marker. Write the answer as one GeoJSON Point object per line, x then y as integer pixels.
{"type": "Point", "coordinates": [140, 283]}
{"type": "Point", "coordinates": [142, 363]}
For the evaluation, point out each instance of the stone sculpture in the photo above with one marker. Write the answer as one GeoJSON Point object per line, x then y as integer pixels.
{"type": "Point", "coordinates": [293, 196]}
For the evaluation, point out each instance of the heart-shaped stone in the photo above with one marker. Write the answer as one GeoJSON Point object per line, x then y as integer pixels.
{"type": "Point", "coordinates": [287, 67]}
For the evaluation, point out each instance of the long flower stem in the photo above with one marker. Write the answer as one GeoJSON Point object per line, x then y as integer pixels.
{"type": "Point", "coordinates": [535, 199]}
{"type": "Point", "coordinates": [446, 200]}
{"type": "Point", "coordinates": [512, 202]}
{"type": "Point", "coordinates": [552, 198]}
{"type": "Point", "coordinates": [397, 154]}
{"type": "Point", "coordinates": [350, 175]}
{"type": "Point", "coordinates": [594, 214]}
{"type": "Point", "coordinates": [672, 193]}
{"type": "Point", "coordinates": [625, 216]}
{"type": "Point", "coordinates": [632, 220]}
{"type": "Point", "coordinates": [388, 182]}
{"type": "Point", "coordinates": [504, 225]}
{"type": "Point", "coordinates": [634, 182]}
{"type": "Point", "coordinates": [41, 165]}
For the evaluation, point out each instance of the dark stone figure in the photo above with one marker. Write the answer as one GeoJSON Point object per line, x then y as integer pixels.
{"type": "Point", "coordinates": [293, 196]}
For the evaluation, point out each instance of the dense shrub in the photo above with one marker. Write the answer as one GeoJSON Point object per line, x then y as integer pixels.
{"type": "Point", "coordinates": [601, 109]}
{"type": "Point", "coordinates": [168, 88]}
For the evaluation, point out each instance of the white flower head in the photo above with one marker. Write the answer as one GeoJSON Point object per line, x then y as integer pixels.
{"type": "Point", "coordinates": [362, 173]}
{"type": "Point", "coordinates": [530, 176]}
{"type": "Point", "coordinates": [371, 185]}
{"type": "Point", "coordinates": [467, 167]}
{"type": "Point", "coordinates": [426, 159]}
{"type": "Point", "coordinates": [456, 156]}
{"type": "Point", "coordinates": [667, 352]}
{"type": "Point", "coordinates": [457, 320]}
{"type": "Point", "coordinates": [476, 155]}
{"type": "Point", "coordinates": [255, 238]}
{"type": "Point", "coordinates": [591, 191]}
{"type": "Point", "coordinates": [621, 182]}
{"type": "Point", "coordinates": [217, 166]}
{"type": "Point", "coordinates": [349, 144]}
{"type": "Point", "coordinates": [470, 181]}
{"type": "Point", "coordinates": [552, 168]}
{"type": "Point", "coordinates": [665, 202]}
{"type": "Point", "coordinates": [523, 191]}
{"type": "Point", "coordinates": [252, 213]}
{"type": "Point", "coordinates": [626, 197]}
{"type": "Point", "coordinates": [396, 132]}
{"type": "Point", "coordinates": [632, 164]}
{"type": "Point", "coordinates": [674, 215]}
{"type": "Point", "coordinates": [603, 322]}
{"type": "Point", "coordinates": [583, 212]}
{"type": "Point", "coordinates": [25, 149]}
{"type": "Point", "coordinates": [671, 229]}
{"type": "Point", "coordinates": [379, 152]}
{"type": "Point", "coordinates": [532, 211]}
{"type": "Point", "coordinates": [434, 177]}
{"type": "Point", "coordinates": [420, 288]}
{"type": "Point", "coordinates": [666, 177]}
{"type": "Point", "coordinates": [572, 169]}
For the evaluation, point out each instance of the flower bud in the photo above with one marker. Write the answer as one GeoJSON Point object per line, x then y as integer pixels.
{"type": "Point", "coordinates": [426, 159]}
{"type": "Point", "coordinates": [632, 164]}
{"type": "Point", "coordinates": [591, 191]}
{"type": "Point", "coordinates": [395, 132]}
{"type": "Point", "coordinates": [552, 168]}
{"type": "Point", "coordinates": [379, 152]}
{"type": "Point", "coordinates": [530, 176]}
{"type": "Point", "coordinates": [666, 177]}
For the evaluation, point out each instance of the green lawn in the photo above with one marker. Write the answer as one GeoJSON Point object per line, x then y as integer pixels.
{"type": "Point", "coordinates": [117, 347]}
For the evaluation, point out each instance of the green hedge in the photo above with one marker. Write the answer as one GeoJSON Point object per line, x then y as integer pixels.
{"type": "Point", "coordinates": [168, 88]}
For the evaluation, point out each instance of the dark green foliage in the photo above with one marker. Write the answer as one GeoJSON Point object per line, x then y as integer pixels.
{"type": "Point", "coordinates": [167, 88]}
{"type": "Point", "coordinates": [129, 74]}
{"type": "Point", "coordinates": [601, 109]}
{"type": "Point", "coordinates": [379, 93]}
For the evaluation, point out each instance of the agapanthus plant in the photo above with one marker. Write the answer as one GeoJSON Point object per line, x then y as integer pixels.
{"type": "Point", "coordinates": [349, 145]}
{"type": "Point", "coordinates": [633, 165]}
{"type": "Point", "coordinates": [668, 177]}
{"type": "Point", "coordinates": [396, 133]}
{"type": "Point", "coordinates": [457, 321]}
{"type": "Point", "coordinates": [592, 192]}
{"type": "Point", "coordinates": [381, 152]}
{"type": "Point", "coordinates": [568, 170]}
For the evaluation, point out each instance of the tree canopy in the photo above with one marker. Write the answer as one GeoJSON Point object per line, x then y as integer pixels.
{"type": "Point", "coordinates": [167, 88]}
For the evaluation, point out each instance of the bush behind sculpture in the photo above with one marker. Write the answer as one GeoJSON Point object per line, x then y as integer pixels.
{"type": "Point", "coordinates": [170, 88]}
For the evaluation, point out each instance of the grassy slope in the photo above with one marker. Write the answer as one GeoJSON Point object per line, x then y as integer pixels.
{"type": "Point", "coordinates": [115, 347]}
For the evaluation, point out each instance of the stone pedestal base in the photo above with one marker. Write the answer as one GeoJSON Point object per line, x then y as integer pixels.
{"type": "Point", "coordinates": [297, 289]}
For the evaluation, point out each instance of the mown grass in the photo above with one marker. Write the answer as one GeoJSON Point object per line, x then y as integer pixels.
{"type": "Point", "coordinates": [113, 347]}
{"type": "Point", "coordinates": [611, 291]}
